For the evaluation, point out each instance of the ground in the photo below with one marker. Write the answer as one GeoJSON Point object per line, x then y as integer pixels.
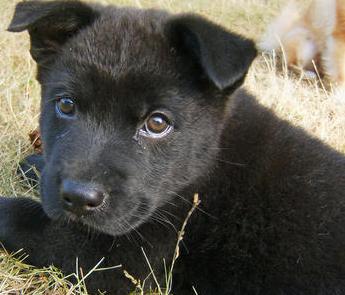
{"type": "Point", "coordinates": [304, 103]}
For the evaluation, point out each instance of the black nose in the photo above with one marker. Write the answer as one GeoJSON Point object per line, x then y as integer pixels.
{"type": "Point", "coordinates": [80, 198]}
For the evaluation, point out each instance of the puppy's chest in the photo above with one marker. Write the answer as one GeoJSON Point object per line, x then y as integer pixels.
{"type": "Point", "coordinates": [230, 217]}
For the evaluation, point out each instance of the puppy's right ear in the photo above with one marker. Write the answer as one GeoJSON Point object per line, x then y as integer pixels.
{"type": "Point", "coordinates": [224, 57]}
{"type": "Point", "coordinates": [50, 24]}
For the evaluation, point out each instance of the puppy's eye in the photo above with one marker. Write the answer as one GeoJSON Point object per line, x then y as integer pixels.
{"type": "Point", "coordinates": [65, 106]}
{"type": "Point", "coordinates": [157, 125]}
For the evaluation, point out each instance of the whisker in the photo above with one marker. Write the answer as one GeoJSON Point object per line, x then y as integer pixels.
{"type": "Point", "coordinates": [191, 203]}
{"type": "Point", "coordinates": [231, 163]}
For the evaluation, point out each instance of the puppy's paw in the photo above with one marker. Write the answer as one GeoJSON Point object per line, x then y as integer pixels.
{"type": "Point", "coordinates": [20, 219]}
{"type": "Point", "coordinates": [5, 224]}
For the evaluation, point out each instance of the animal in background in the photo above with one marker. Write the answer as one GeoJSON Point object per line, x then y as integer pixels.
{"type": "Point", "coordinates": [314, 34]}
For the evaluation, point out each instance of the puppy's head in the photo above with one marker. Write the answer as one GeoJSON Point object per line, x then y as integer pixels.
{"type": "Point", "coordinates": [133, 105]}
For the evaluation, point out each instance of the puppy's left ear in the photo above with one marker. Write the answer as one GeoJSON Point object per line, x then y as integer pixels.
{"type": "Point", "coordinates": [223, 56]}
{"type": "Point", "coordinates": [50, 24]}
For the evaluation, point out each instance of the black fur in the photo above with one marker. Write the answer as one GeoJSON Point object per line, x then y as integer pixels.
{"type": "Point", "coordinates": [30, 168]}
{"type": "Point", "coordinates": [272, 213]}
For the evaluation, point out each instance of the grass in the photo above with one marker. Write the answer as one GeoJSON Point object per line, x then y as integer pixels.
{"type": "Point", "coordinates": [302, 102]}
{"type": "Point", "coordinates": [16, 277]}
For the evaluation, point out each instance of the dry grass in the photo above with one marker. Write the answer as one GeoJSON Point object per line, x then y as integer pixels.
{"type": "Point", "coordinates": [301, 102]}
{"type": "Point", "coordinates": [18, 278]}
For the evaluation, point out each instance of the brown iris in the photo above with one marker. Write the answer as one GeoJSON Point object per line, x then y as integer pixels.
{"type": "Point", "coordinates": [157, 123]}
{"type": "Point", "coordinates": [66, 106]}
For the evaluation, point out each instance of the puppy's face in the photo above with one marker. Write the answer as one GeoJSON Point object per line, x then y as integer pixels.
{"type": "Point", "coordinates": [139, 136]}
{"type": "Point", "coordinates": [133, 105]}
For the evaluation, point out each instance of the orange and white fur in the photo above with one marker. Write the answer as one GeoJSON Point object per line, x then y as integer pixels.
{"type": "Point", "coordinates": [316, 34]}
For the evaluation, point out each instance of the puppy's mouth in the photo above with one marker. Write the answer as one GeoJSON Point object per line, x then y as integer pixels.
{"type": "Point", "coordinates": [142, 212]}
{"type": "Point", "coordinates": [115, 221]}
{"type": "Point", "coordinates": [118, 213]}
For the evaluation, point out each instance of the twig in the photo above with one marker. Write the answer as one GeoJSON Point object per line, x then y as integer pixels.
{"type": "Point", "coordinates": [180, 236]}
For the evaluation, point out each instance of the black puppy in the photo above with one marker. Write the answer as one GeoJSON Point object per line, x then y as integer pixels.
{"type": "Point", "coordinates": [139, 112]}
